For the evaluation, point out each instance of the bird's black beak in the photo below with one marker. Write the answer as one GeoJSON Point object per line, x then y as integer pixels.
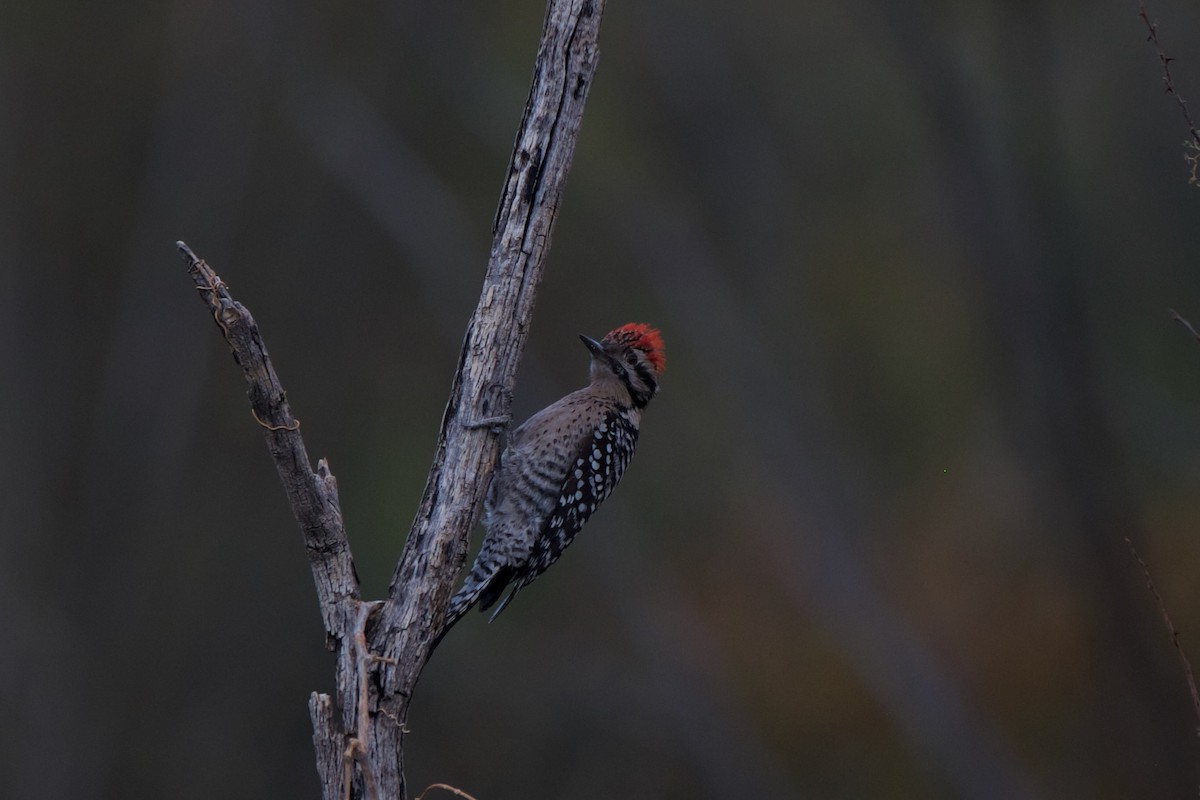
{"type": "Point", "coordinates": [595, 347]}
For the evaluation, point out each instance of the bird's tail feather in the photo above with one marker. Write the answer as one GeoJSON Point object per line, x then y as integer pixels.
{"type": "Point", "coordinates": [504, 603]}
{"type": "Point", "coordinates": [483, 586]}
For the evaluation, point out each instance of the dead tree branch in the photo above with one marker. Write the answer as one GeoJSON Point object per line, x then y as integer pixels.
{"type": "Point", "coordinates": [313, 495]}
{"type": "Point", "coordinates": [382, 647]}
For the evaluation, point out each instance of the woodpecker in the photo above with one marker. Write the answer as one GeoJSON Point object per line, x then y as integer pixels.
{"type": "Point", "coordinates": [559, 465]}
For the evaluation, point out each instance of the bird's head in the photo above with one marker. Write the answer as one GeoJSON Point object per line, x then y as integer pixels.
{"type": "Point", "coordinates": [633, 355]}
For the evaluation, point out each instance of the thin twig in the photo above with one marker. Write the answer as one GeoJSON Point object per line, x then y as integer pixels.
{"type": "Point", "coordinates": [1165, 60]}
{"type": "Point", "coordinates": [1162, 609]}
{"type": "Point", "coordinates": [446, 788]}
{"type": "Point", "coordinates": [1168, 81]}
{"type": "Point", "coordinates": [295, 426]}
{"type": "Point", "coordinates": [1175, 316]}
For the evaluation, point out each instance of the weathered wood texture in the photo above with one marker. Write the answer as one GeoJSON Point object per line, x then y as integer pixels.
{"type": "Point", "coordinates": [383, 646]}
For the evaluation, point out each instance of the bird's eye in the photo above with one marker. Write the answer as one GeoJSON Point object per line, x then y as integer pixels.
{"type": "Point", "coordinates": [631, 360]}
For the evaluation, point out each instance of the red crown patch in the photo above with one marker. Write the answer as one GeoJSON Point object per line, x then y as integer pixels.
{"type": "Point", "coordinates": [644, 338]}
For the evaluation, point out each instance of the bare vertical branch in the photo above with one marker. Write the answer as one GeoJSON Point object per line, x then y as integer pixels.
{"type": "Point", "coordinates": [496, 334]}
{"type": "Point", "coordinates": [495, 338]}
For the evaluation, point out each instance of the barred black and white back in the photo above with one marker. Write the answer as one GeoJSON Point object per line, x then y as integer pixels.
{"type": "Point", "coordinates": [559, 466]}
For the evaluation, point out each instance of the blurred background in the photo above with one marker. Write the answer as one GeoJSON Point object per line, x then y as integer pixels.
{"type": "Point", "coordinates": [912, 261]}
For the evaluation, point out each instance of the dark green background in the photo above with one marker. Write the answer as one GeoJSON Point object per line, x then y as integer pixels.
{"type": "Point", "coordinates": [912, 262]}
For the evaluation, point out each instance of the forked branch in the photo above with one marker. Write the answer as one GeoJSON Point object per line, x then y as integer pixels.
{"type": "Point", "coordinates": [383, 646]}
